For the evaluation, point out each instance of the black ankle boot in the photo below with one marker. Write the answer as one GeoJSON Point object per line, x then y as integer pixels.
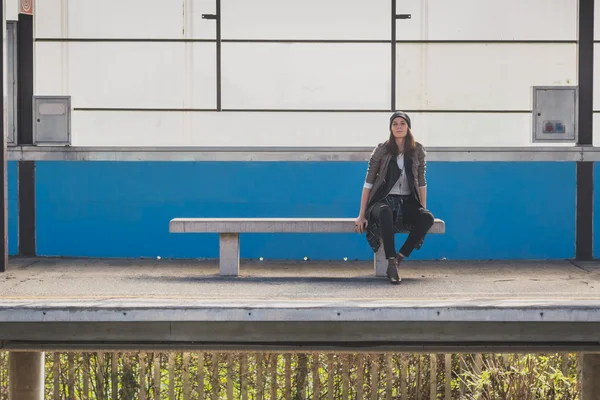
{"type": "Point", "coordinates": [392, 271]}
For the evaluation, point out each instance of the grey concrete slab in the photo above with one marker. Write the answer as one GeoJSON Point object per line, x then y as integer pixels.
{"type": "Point", "coordinates": [104, 302]}
{"type": "Point", "coordinates": [50, 278]}
{"type": "Point", "coordinates": [349, 335]}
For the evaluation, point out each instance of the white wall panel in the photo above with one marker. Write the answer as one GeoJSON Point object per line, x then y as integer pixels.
{"type": "Point", "coordinates": [125, 19]}
{"type": "Point", "coordinates": [151, 75]}
{"type": "Point", "coordinates": [597, 75]}
{"type": "Point", "coordinates": [119, 128]}
{"type": "Point", "coordinates": [597, 20]}
{"type": "Point", "coordinates": [487, 20]}
{"type": "Point", "coordinates": [306, 76]}
{"type": "Point", "coordinates": [306, 19]}
{"type": "Point", "coordinates": [458, 129]}
{"type": "Point", "coordinates": [12, 10]}
{"type": "Point", "coordinates": [107, 128]}
{"type": "Point", "coordinates": [50, 73]}
{"type": "Point", "coordinates": [596, 141]}
{"type": "Point", "coordinates": [48, 18]}
{"type": "Point", "coordinates": [357, 129]}
{"type": "Point", "coordinates": [146, 19]}
{"type": "Point", "coordinates": [292, 129]}
{"type": "Point", "coordinates": [203, 28]}
{"type": "Point", "coordinates": [309, 19]}
{"type": "Point", "coordinates": [127, 74]}
{"type": "Point", "coordinates": [479, 76]}
{"type": "Point", "coordinates": [201, 80]}
{"type": "Point", "coordinates": [289, 129]}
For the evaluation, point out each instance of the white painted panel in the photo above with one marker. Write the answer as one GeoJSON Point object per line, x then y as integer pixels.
{"type": "Point", "coordinates": [461, 129]}
{"type": "Point", "coordinates": [49, 69]}
{"type": "Point", "coordinates": [597, 75]}
{"type": "Point", "coordinates": [114, 128]}
{"type": "Point", "coordinates": [479, 76]}
{"type": "Point", "coordinates": [357, 129]}
{"type": "Point", "coordinates": [203, 28]}
{"type": "Point", "coordinates": [306, 76]}
{"type": "Point", "coordinates": [597, 20]}
{"type": "Point", "coordinates": [127, 74]}
{"type": "Point", "coordinates": [596, 140]}
{"type": "Point", "coordinates": [12, 10]}
{"type": "Point", "coordinates": [119, 128]}
{"type": "Point", "coordinates": [141, 75]}
{"type": "Point", "coordinates": [48, 17]}
{"type": "Point", "coordinates": [292, 129]}
{"type": "Point", "coordinates": [172, 75]}
{"type": "Point", "coordinates": [288, 129]}
{"type": "Point", "coordinates": [139, 19]}
{"type": "Point", "coordinates": [126, 19]}
{"type": "Point", "coordinates": [306, 19]}
{"type": "Point", "coordinates": [487, 20]}
{"type": "Point", "coordinates": [201, 79]}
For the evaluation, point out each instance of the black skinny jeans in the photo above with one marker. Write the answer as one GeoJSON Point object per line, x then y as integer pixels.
{"type": "Point", "coordinates": [413, 214]}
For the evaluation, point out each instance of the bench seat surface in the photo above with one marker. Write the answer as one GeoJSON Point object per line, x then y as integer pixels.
{"type": "Point", "coordinates": [272, 225]}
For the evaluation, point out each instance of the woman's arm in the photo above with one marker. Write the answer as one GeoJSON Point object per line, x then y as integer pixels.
{"type": "Point", "coordinates": [372, 171]}
{"type": "Point", "coordinates": [361, 222]}
{"type": "Point", "coordinates": [363, 201]}
{"type": "Point", "coordinates": [421, 178]}
{"type": "Point", "coordinates": [373, 166]}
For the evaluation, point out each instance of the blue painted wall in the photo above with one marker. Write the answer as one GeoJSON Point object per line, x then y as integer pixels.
{"type": "Point", "coordinates": [495, 210]}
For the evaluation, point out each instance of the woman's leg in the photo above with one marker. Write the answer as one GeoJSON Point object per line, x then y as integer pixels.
{"type": "Point", "coordinates": [382, 213]}
{"type": "Point", "coordinates": [421, 220]}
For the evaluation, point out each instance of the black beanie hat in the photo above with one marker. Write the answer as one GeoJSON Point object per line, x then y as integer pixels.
{"type": "Point", "coordinates": [402, 115]}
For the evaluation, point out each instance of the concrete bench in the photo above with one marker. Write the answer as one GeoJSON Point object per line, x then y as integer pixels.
{"type": "Point", "coordinates": [230, 228]}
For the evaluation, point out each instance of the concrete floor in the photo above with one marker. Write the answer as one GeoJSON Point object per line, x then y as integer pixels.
{"type": "Point", "coordinates": [114, 303]}
{"type": "Point", "coordinates": [58, 278]}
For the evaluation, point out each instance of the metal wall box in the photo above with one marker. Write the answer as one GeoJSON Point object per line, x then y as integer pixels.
{"type": "Point", "coordinates": [52, 120]}
{"type": "Point", "coordinates": [555, 114]}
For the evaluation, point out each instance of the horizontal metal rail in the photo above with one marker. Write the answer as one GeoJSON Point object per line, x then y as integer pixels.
{"type": "Point", "coordinates": [452, 154]}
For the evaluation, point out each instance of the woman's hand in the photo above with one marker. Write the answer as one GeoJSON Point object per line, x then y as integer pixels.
{"type": "Point", "coordinates": [361, 224]}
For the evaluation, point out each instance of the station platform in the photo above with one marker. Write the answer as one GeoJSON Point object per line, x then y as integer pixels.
{"type": "Point", "coordinates": [97, 304]}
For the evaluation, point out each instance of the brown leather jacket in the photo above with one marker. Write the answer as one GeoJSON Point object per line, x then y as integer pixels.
{"type": "Point", "coordinates": [378, 164]}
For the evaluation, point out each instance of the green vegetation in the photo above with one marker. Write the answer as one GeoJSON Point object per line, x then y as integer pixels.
{"type": "Point", "coordinates": [243, 375]}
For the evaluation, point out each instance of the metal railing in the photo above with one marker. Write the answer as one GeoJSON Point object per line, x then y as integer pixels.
{"type": "Point", "coordinates": [568, 153]}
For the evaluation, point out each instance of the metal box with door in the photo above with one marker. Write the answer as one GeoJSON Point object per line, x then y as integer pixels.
{"type": "Point", "coordinates": [555, 114]}
{"type": "Point", "coordinates": [52, 120]}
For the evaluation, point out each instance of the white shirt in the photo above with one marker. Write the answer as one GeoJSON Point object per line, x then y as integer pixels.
{"type": "Point", "coordinates": [401, 186]}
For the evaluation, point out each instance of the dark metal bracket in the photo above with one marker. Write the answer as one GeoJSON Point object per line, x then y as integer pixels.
{"type": "Point", "coordinates": [403, 16]}
{"type": "Point", "coordinates": [209, 16]}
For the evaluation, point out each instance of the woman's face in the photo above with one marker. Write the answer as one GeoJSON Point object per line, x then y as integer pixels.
{"type": "Point", "coordinates": [399, 127]}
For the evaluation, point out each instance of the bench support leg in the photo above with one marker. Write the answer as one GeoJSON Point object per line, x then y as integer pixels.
{"type": "Point", "coordinates": [229, 257]}
{"type": "Point", "coordinates": [380, 263]}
